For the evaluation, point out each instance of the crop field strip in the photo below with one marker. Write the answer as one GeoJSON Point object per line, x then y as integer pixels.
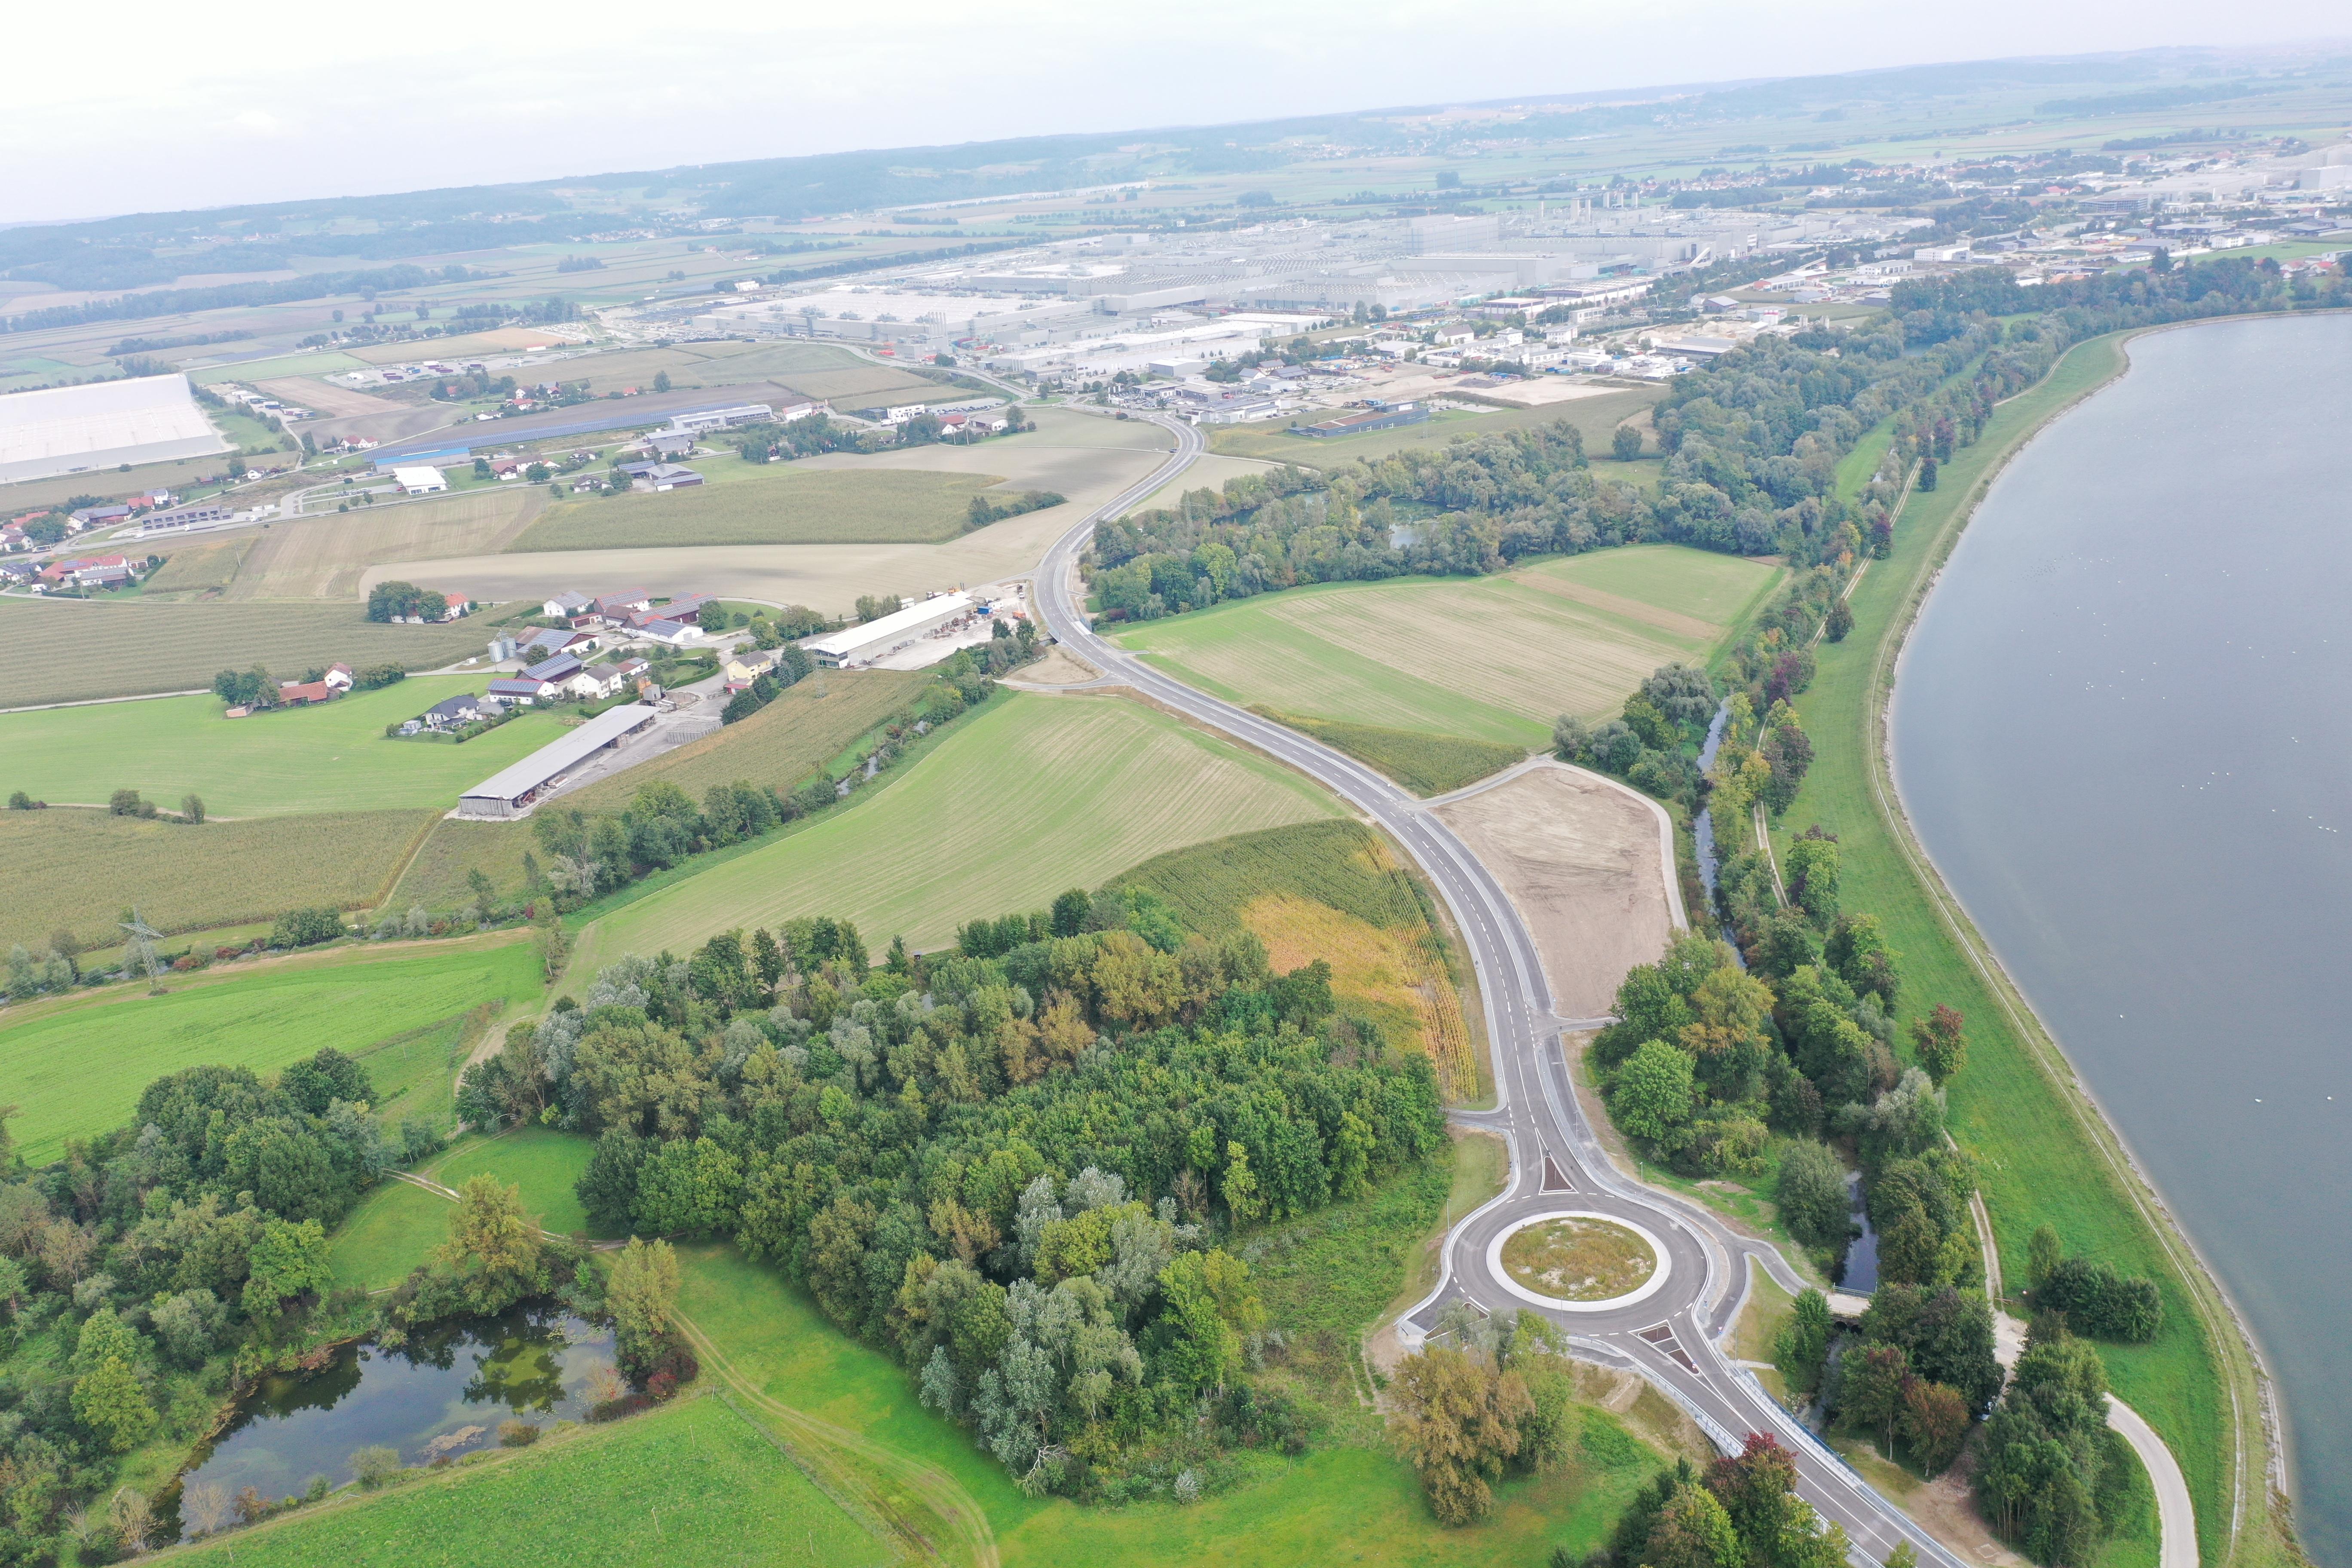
{"type": "Point", "coordinates": [78, 1065]}
{"type": "Point", "coordinates": [693, 1483]}
{"type": "Point", "coordinates": [325, 556]}
{"type": "Point", "coordinates": [773, 503]}
{"type": "Point", "coordinates": [73, 650]}
{"type": "Point", "coordinates": [334, 758]}
{"type": "Point", "coordinates": [1594, 418]}
{"type": "Point", "coordinates": [72, 870]}
{"type": "Point", "coordinates": [1490, 659]}
{"type": "Point", "coordinates": [1033, 795]}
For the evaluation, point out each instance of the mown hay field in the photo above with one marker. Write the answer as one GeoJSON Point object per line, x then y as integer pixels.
{"type": "Point", "coordinates": [1031, 796]}
{"type": "Point", "coordinates": [78, 1065]}
{"type": "Point", "coordinates": [1330, 891]}
{"type": "Point", "coordinates": [1487, 658]}
{"type": "Point", "coordinates": [768, 503]}
{"type": "Point", "coordinates": [76, 651]}
{"type": "Point", "coordinates": [1594, 418]}
{"type": "Point", "coordinates": [803, 728]}
{"type": "Point", "coordinates": [74, 869]}
{"type": "Point", "coordinates": [333, 757]}
{"type": "Point", "coordinates": [694, 1482]}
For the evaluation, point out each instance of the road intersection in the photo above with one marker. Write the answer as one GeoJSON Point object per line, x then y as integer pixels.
{"type": "Point", "coordinates": [1672, 1337]}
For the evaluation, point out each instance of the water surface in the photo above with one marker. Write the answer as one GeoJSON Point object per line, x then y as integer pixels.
{"type": "Point", "coordinates": [444, 1390]}
{"type": "Point", "coordinates": [2121, 730]}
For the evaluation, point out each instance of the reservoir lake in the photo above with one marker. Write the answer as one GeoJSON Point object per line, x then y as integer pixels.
{"type": "Point", "coordinates": [2121, 729]}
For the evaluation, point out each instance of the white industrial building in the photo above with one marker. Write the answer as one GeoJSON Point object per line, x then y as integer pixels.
{"type": "Point", "coordinates": [102, 425]}
{"type": "Point", "coordinates": [858, 645]}
{"type": "Point", "coordinates": [512, 791]}
{"type": "Point", "coordinates": [419, 481]}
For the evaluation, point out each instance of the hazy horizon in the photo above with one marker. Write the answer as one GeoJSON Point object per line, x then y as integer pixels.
{"type": "Point", "coordinates": [193, 117]}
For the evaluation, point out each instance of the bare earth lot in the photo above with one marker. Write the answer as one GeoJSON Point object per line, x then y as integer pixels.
{"type": "Point", "coordinates": [1581, 857]}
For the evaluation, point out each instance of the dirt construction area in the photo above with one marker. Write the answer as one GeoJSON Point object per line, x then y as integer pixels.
{"type": "Point", "coordinates": [1585, 861]}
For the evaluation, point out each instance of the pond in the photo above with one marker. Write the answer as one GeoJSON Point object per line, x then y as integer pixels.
{"type": "Point", "coordinates": [443, 1393]}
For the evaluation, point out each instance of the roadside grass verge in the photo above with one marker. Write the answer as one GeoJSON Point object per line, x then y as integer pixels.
{"type": "Point", "coordinates": [1029, 796]}
{"type": "Point", "coordinates": [331, 758]}
{"type": "Point", "coordinates": [75, 871]}
{"type": "Point", "coordinates": [2042, 1153]}
{"type": "Point", "coordinates": [1426, 764]}
{"type": "Point", "coordinates": [74, 650]}
{"type": "Point", "coordinates": [768, 503]}
{"type": "Point", "coordinates": [78, 1065]}
{"type": "Point", "coordinates": [695, 1482]}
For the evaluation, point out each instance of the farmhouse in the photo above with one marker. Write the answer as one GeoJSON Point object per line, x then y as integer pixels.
{"type": "Point", "coordinates": [463, 708]}
{"type": "Point", "coordinates": [563, 606]}
{"type": "Point", "coordinates": [520, 689]}
{"type": "Point", "coordinates": [674, 633]}
{"type": "Point", "coordinates": [839, 651]}
{"type": "Point", "coordinates": [514, 790]}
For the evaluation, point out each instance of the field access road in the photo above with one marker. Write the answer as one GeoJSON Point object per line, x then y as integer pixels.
{"type": "Point", "coordinates": [1671, 1336]}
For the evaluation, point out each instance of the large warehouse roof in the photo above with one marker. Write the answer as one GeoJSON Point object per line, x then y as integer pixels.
{"type": "Point", "coordinates": [913, 621]}
{"type": "Point", "coordinates": [101, 425]}
{"type": "Point", "coordinates": [568, 750]}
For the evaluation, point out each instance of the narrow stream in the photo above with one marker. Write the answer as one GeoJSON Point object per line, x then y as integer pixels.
{"type": "Point", "coordinates": [1857, 1271]}
{"type": "Point", "coordinates": [1703, 831]}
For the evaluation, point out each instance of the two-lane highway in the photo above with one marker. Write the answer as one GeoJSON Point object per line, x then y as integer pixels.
{"type": "Point", "coordinates": [1670, 1336]}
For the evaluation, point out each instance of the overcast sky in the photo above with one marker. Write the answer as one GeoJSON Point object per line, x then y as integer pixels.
{"type": "Point", "coordinates": [155, 106]}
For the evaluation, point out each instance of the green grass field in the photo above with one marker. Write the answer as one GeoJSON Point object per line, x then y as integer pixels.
{"type": "Point", "coordinates": [74, 650]}
{"type": "Point", "coordinates": [1424, 763]}
{"type": "Point", "coordinates": [73, 870]}
{"type": "Point", "coordinates": [1594, 418]}
{"type": "Point", "coordinates": [768, 503]}
{"type": "Point", "coordinates": [1336, 864]}
{"type": "Point", "coordinates": [394, 1231]}
{"type": "Point", "coordinates": [541, 1162]}
{"type": "Point", "coordinates": [1348, 1499]}
{"type": "Point", "coordinates": [1029, 796]}
{"type": "Point", "coordinates": [2041, 1155]}
{"type": "Point", "coordinates": [1486, 658]}
{"type": "Point", "coordinates": [693, 1483]}
{"type": "Point", "coordinates": [332, 758]}
{"type": "Point", "coordinates": [76, 1066]}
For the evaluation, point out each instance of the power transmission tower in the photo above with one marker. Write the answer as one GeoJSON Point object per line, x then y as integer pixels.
{"type": "Point", "coordinates": [139, 948]}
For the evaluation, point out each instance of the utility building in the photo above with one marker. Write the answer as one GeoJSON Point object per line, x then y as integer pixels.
{"type": "Point", "coordinates": [515, 790]}
{"type": "Point", "coordinates": [839, 651]}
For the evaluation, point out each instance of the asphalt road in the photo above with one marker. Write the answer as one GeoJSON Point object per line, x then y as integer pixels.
{"type": "Point", "coordinates": [1670, 1336]}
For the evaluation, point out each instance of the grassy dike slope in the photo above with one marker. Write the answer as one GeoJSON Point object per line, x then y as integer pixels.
{"type": "Point", "coordinates": [2044, 1152]}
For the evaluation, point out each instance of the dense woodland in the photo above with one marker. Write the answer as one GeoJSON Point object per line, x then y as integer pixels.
{"type": "Point", "coordinates": [1010, 1164]}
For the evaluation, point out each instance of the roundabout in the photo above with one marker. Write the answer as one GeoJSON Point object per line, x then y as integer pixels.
{"type": "Point", "coordinates": [1576, 1260]}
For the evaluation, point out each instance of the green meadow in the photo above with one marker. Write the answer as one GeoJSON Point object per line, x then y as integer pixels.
{"type": "Point", "coordinates": [77, 1068]}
